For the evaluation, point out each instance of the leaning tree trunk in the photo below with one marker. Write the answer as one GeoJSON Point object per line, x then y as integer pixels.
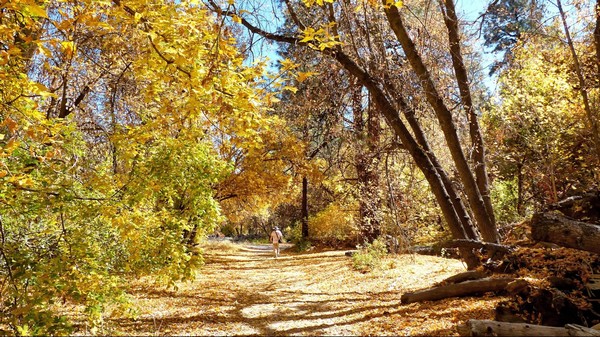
{"type": "Point", "coordinates": [483, 219]}
{"type": "Point", "coordinates": [392, 117]}
{"type": "Point", "coordinates": [420, 137]}
{"type": "Point", "coordinates": [421, 158]}
{"type": "Point", "coordinates": [462, 80]}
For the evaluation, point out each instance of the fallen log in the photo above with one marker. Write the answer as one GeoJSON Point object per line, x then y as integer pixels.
{"type": "Point", "coordinates": [457, 290]}
{"type": "Point", "coordinates": [558, 229]}
{"type": "Point", "coordinates": [586, 206]}
{"type": "Point", "coordinates": [494, 249]}
{"type": "Point", "coordinates": [465, 276]}
{"type": "Point", "coordinates": [426, 250]}
{"type": "Point", "coordinates": [436, 250]}
{"type": "Point", "coordinates": [475, 327]}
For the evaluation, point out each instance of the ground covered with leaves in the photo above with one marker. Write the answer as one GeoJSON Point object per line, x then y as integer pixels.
{"type": "Point", "coordinates": [243, 290]}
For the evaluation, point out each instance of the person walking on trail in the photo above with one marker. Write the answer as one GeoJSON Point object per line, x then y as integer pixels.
{"type": "Point", "coordinates": [275, 238]}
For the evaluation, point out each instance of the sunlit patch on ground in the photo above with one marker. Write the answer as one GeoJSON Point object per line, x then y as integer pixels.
{"type": "Point", "coordinates": [243, 290]}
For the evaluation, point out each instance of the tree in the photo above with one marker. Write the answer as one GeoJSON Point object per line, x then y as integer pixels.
{"type": "Point", "coordinates": [327, 38]}
{"type": "Point", "coordinates": [506, 22]}
{"type": "Point", "coordinates": [543, 149]}
{"type": "Point", "coordinates": [121, 127]}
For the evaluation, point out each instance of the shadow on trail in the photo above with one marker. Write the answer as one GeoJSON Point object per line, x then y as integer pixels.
{"type": "Point", "coordinates": [249, 292]}
{"type": "Point", "coordinates": [309, 317]}
{"type": "Point", "coordinates": [253, 311]}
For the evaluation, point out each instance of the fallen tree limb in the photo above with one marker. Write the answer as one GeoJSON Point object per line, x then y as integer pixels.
{"type": "Point", "coordinates": [475, 327]}
{"type": "Point", "coordinates": [558, 229]}
{"type": "Point", "coordinates": [494, 249]}
{"type": "Point", "coordinates": [465, 276]}
{"type": "Point", "coordinates": [457, 290]}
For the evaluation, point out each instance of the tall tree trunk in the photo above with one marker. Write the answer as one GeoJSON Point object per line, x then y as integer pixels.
{"type": "Point", "coordinates": [420, 157]}
{"type": "Point", "coordinates": [304, 210]}
{"type": "Point", "coordinates": [462, 79]}
{"type": "Point", "coordinates": [486, 226]}
{"type": "Point", "coordinates": [520, 210]}
{"type": "Point", "coordinates": [421, 139]}
{"type": "Point", "coordinates": [366, 141]}
{"type": "Point", "coordinates": [597, 36]}
{"type": "Point", "coordinates": [392, 118]}
{"type": "Point", "coordinates": [592, 119]}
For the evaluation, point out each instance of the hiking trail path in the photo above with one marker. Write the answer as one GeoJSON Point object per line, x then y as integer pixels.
{"type": "Point", "coordinates": [246, 291]}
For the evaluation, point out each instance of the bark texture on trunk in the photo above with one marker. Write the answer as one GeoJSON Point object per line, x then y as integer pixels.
{"type": "Point", "coordinates": [558, 229]}
{"type": "Point", "coordinates": [474, 327]}
{"type": "Point", "coordinates": [304, 211]}
{"type": "Point", "coordinates": [421, 158]}
{"type": "Point", "coordinates": [478, 207]}
{"type": "Point", "coordinates": [462, 79]}
{"type": "Point", "coordinates": [458, 290]}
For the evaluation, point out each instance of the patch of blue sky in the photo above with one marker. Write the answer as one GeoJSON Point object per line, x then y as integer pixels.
{"type": "Point", "coordinates": [266, 14]}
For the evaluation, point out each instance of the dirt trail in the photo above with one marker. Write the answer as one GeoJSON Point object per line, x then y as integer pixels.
{"type": "Point", "coordinates": [245, 291]}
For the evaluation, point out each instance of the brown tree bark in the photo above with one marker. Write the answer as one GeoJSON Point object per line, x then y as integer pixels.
{"type": "Point", "coordinates": [478, 207]}
{"type": "Point", "coordinates": [495, 250]}
{"type": "Point", "coordinates": [474, 327]}
{"type": "Point", "coordinates": [421, 158]}
{"type": "Point", "coordinates": [304, 210]}
{"type": "Point", "coordinates": [591, 116]}
{"type": "Point", "coordinates": [392, 117]}
{"type": "Point", "coordinates": [462, 79]}
{"type": "Point", "coordinates": [366, 141]}
{"type": "Point", "coordinates": [457, 290]}
{"type": "Point", "coordinates": [597, 36]}
{"type": "Point", "coordinates": [565, 232]}
{"type": "Point", "coordinates": [421, 139]}
{"type": "Point", "coordinates": [465, 276]}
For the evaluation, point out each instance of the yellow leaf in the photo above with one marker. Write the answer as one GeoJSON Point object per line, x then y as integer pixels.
{"type": "Point", "coordinates": [288, 64]}
{"type": "Point", "coordinates": [309, 34]}
{"type": "Point", "coordinates": [36, 10]}
{"type": "Point", "coordinates": [68, 47]}
{"type": "Point", "coordinates": [290, 88]}
{"type": "Point", "coordinates": [302, 76]}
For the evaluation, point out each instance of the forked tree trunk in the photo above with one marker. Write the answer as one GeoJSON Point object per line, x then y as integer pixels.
{"type": "Point", "coordinates": [392, 117]}
{"type": "Point", "coordinates": [421, 158]}
{"type": "Point", "coordinates": [420, 137]}
{"type": "Point", "coordinates": [484, 221]}
{"type": "Point", "coordinates": [462, 79]}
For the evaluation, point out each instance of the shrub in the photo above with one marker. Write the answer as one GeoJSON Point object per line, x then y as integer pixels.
{"type": "Point", "coordinates": [332, 225]}
{"type": "Point", "coordinates": [369, 257]}
{"type": "Point", "coordinates": [294, 235]}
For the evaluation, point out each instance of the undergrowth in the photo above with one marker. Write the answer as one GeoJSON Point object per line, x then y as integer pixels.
{"type": "Point", "coordinates": [369, 257]}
